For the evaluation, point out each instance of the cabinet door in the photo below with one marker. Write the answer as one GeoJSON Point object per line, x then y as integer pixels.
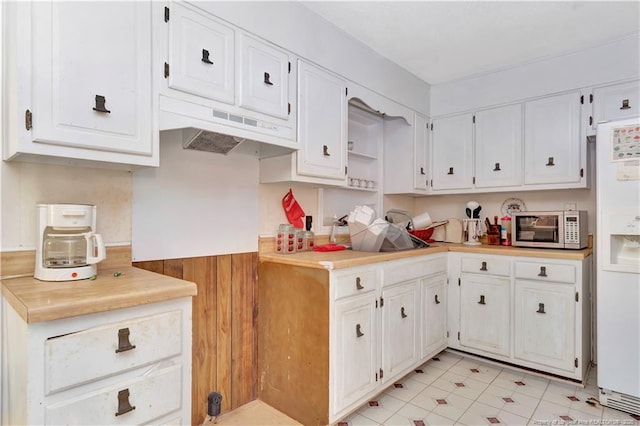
{"type": "Point", "coordinates": [421, 147]}
{"type": "Point", "coordinates": [545, 323]}
{"type": "Point", "coordinates": [452, 151]}
{"type": "Point", "coordinates": [552, 140]}
{"type": "Point", "coordinates": [498, 149]}
{"type": "Point", "coordinates": [400, 318]}
{"type": "Point", "coordinates": [616, 102]}
{"type": "Point", "coordinates": [264, 81]}
{"type": "Point", "coordinates": [91, 64]}
{"type": "Point", "coordinates": [201, 54]}
{"type": "Point", "coordinates": [484, 313]}
{"type": "Point", "coordinates": [353, 357]}
{"type": "Point", "coordinates": [434, 315]}
{"type": "Point", "coordinates": [322, 129]}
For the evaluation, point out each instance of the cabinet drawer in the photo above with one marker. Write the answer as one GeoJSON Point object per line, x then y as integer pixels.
{"type": "Point", "coordinates": [98, 352]}
{"type": "Point", "coordinates": [546, 271]}
{"type": "Point", "coordinates": [488, 266]}
{"type": "Point", "coordinates": [153, 395]}
{"type": "Point", "coordinates": [355, 283]}
{"type": "Point", "coordinates": [401, 271]}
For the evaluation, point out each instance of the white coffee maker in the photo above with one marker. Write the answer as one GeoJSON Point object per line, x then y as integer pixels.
{"type": "Point", "coordinates": [68, 248]}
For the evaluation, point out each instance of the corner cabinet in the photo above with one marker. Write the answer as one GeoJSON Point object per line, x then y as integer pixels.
{"type": "Point", "coordinates": [80, 74]}
{"type": "Point", "coordinates": [130, 365]}
{"type": "Point", "coordinates": [531, 312]}
{"type": "Point", "coordinates": [331, 339]}
{"type": "Point", "coordinates": [322, 132]}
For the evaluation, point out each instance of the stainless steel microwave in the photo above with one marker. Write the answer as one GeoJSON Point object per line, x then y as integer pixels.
{"type": "Point", "coordinates": [562, 229]}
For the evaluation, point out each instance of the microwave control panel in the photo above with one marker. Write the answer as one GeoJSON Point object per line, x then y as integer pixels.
{"type": "Point", "coordinates": [572, 229]}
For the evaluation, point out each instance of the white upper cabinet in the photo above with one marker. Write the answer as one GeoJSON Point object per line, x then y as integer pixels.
{"type": "Point", "coordinates": [421, 153]}
{"type": "Point", "coordinates": [616, 102]}
{"type": "Point", "coordinates": [498, 147]}
{"type": "Point", "coordinates": [452, 152]}
{"type": "Point", "coordinates": [202, 54]}
{"type": "Point", "coordinates": [322, 124]}
{"type": "Point", "coordinates": [553, 153]}
{"type": "Point", "coordinates": [82, 75]}
{"type": "Point", "coordinates": [264, 80]}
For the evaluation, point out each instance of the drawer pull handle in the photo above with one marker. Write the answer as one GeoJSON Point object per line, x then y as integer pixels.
{"type": "Point", "coordinates": [625, 104]}
{"type": "Point", "coordinates": [358, 332]}
{"type": "Point", "coordinates": [543, 271]}
{"type": "Point", "coordinates": [437, 301]}
{"type": "Point", "coordinates": [481, 302]}
{"type": "Point", "coordinates": [123, 341]}
{"type": "Point", "coordinates": [325, 151]}
{"type": "Point", "coordinates": [267, 79]}
{"type": "Point", "coordinates": [124, 406]}
{"type": "Point", "coordinates": [541, 308]}
{"type": "Point", "coordinates": [205, 57]}
{"type": "Point", "coordinates": [484, 266]}
{"type": "Point", "coordinates": [450, 171]}
{"type": "Point", "coordinates": [100, 101]}
{"type": "Point", "coordinates": [402, 313]}
{"type": "Point", "coordinates": [358, 285]}
{"type": "Point", "coordinates": [497, 167]}
{"type": "Point", "coordinates": [422, 171]}
{"type": "Point", "coordinates": [550, 162]}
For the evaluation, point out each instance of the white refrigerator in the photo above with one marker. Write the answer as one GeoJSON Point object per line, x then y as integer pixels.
{"type": "Point", "coordinates": [618, 264]}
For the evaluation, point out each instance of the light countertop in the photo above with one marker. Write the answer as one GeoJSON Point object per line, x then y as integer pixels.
{"type": "Point", "coordinates": [37, 301]}
{"type": "Point", "coordinates": [349, 258]}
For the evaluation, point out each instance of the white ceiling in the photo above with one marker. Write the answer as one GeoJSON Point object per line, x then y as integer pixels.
{"type": "Point", "coordinates": [440, 41]}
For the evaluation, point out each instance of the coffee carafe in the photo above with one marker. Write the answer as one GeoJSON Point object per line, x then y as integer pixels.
{"type": "Point", "coordinates": [68, 248]}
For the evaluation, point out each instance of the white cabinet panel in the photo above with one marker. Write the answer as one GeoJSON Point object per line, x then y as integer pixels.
{"type": "Point", "coordinates": [400, 319]}
{"type": "Point", "coordinates": [434, 315]}
{"type": "Point", "coordinates": [322, 125]}
{"type": "Point", "coordinates": [553, 140]}
{"type": "Point", "coordinates": [498, 147]}
{"type": "Point", "coordinates": [91, 64]}
{"type": "Point", "coordinates": [421, 153]}
{"type": "Point", "coordinates": [452, 152]}
{"type": "Point", "coordinates": [616, 102]}
{"type": "Point", "coordinates": [485, 313]}
{"type": "Point", "coordinates": [201, 54]}
{"type": "Point", "coordinates": [264, 84]}
{"type": "Point", "coordinates": [356, 351]}
{"type": "Point", "coordinates": [545, 323]}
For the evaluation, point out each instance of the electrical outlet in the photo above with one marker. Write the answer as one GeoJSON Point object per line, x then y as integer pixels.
{"type": "Point", "coordinates": [215, 401]}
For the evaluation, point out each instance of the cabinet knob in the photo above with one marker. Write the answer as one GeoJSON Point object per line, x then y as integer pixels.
{"type": "Point", "coordinates": [123, 341]}
{"type": "Point", "coordinates": [625, 104]}
{"type": "Point", "coordinates": [484, 266]}
{"type": "Point", "coordinates": [358, 332]}
{"type": "Point", "coordinates": [205, 57]}
{"type": "Point", "coordinates": [496, 168]}
{"type": "Point", "coordinates": [358, 285]}
{"type": "Point", "coordinates": [543, 271]}
{"type": "Point", "coordinates": [450, 172]}
{"type": "Point", "coordinates": [481, 301]}
{"type": "Point", "coordinates": [267, 79]}
{"type": "Point", "coordinates": [436, 299]}
{"type": "Point", "coordinates": [550, 162]}
{"type": "Point", "coordinates": [100, 101]}
{"type": "Point", "coordinates": [325, 151]}
{"type": "Point", "coordinates": [541, 308]}
{"type": "Point", "coordinates": [422, 171]}
{"type": "Point", "coordinates": [124, 406]}
{"type": "Point", "coordinates": [403, 314]}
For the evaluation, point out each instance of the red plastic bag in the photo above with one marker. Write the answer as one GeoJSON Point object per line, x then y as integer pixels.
{"type": "Point", "coordinates": [292, 209]}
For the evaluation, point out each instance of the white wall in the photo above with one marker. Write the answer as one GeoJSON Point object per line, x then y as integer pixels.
{"type": "Point", "coordinates": [610, 62]}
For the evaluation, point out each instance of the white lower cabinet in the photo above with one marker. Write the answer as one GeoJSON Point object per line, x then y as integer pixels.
{"type": "Point", "coordinates": [434, 314]}
{"type": "Point", "coordinates": [532, 312]}
{"type": "Point", "coordinates": [126, 366]}
{"type": "Point", "coordinates": [484, 313]}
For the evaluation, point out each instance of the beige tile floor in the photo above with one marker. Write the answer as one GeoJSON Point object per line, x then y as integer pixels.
{"type": "Point", "coordinates": [455, 390]}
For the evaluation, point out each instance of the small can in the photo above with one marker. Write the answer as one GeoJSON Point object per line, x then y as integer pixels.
{"type": "Point", "coordinates": [285, 239]}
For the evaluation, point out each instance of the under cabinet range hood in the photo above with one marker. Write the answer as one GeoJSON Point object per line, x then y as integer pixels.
{"type": "Point", "coordinates": [218, 131]}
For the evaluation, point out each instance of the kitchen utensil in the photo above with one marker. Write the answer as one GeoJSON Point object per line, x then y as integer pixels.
{"type": "Point", "coordinates": [68, 249]}
{"type": "Point", "coordinates": [421, 221]}
{"type": "Point", "coordinates": [426, 233]}
{"type": "Point", "coordinates": [472, 232]}
{"type": "Point", "coordinates": [473, 210]}
{"type": "Point", "coordinates": [399, 217]}
{"type": "Point", "coordinates": [292, 209]}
